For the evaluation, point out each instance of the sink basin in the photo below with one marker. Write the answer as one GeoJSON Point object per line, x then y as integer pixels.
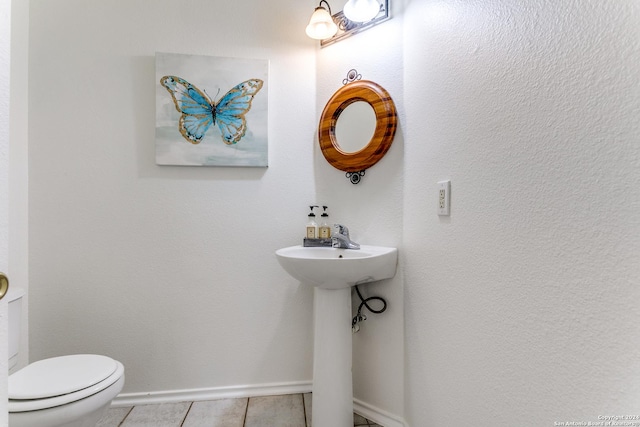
{"type": "Point", "coordinates": [334, 268]}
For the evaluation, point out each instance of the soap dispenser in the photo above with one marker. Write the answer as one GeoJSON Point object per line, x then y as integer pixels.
{"type": "Point", "coordinates": [325, 229]}
{"type": "Point", "coordinates": [312, 225]}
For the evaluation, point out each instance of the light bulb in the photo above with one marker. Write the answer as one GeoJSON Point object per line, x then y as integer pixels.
{"type": "Point", "coordinates": [361, 10]}
{"type": "Point", "coordinates": [321, 25]}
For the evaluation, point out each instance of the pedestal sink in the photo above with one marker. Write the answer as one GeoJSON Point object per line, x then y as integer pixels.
{"type": "Point", "coordinates": [332, 272]}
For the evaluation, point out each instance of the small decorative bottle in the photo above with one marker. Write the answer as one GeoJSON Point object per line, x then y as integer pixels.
{"type": "Point", "coordinates": [325, 229]}
{"type": "Point", "coordinates": [312, 225]}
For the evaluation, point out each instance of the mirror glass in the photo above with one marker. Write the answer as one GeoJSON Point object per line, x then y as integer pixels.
{"type": "Point", "coordinates": [355, 127]}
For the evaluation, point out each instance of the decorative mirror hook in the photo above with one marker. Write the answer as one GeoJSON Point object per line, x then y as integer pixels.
{"type": "Point", "coordinates": [352, 76]}
{"type": "Point", "coordinates": [355, 177]}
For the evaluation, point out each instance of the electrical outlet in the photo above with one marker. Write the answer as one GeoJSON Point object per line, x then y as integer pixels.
{"type": "Point", "coordinates": [444, 198]}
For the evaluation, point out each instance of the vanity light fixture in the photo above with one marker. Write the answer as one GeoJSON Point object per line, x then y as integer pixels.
{"type": "Point", "coordinates": [357, 16]}
{"type": "Point", "coordinates": [321, 25]}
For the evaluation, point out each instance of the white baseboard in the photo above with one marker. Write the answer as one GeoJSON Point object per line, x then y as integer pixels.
{"type": "Point", "coordinates": [233, 392]}
{"type": "Point", "coordinates": [173, 396]}
{"type": "Point", "coordinates": [377, 415]}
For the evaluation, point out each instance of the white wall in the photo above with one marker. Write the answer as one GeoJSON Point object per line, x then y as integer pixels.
{"type": "Point", "coordinates": [371, 209]}
{"type": "Point", "coordinates": [5, 61]}
{"type": "Point", "coordinates": [19, 170]}
{"type": "Point", "coordinates": [5, 65]}
{"type": "Point", "coordinates": [522, 307]}
{"type": "Point", "coordinates": [169, 269]}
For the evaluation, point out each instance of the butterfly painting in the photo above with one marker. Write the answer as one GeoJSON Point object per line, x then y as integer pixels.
{"type": "Point", "coordinates": [190, 107]}
{"type": "Point", "coordinates": [199, 112]}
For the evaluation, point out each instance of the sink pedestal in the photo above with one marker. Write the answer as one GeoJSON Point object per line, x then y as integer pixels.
{"type": "Point", "coordinates": [332, 397]}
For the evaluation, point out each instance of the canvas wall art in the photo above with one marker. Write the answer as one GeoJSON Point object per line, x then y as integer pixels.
{"type": "Point", "coordinates": [211, 111]}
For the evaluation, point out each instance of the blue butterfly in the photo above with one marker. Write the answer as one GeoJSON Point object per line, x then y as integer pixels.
{"type": "Point", "coordinates": [199, 112]}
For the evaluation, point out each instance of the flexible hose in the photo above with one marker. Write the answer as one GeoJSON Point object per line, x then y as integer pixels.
{"type": "Point", "coordinates": [365, 303]}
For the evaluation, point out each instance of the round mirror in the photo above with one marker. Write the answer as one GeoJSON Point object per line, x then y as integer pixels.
{"type": "Point", "coordinates": [355, 127]}
{"type": "Point", "coordinates": [356, 158]}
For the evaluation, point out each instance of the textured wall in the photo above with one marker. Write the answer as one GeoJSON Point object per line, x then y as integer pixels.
{"type": "Point", "coordinates": [169, 269]}
{"type": "Point", "coordinates": [522, 307]}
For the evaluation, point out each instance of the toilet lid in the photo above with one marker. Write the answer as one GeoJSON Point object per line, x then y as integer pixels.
{"type": "Point", "coordinates": [59, 375]}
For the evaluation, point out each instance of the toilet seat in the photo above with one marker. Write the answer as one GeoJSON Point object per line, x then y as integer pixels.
{"type": "Point", "coordinates": [61, 380]}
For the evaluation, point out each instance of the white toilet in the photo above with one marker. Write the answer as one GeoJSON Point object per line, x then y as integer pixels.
{"type": "Point", "coordinates": [71, 391]}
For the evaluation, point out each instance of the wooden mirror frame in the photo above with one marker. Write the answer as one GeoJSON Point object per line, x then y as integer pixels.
{"type": "Point", "coordinates": [386, 122]}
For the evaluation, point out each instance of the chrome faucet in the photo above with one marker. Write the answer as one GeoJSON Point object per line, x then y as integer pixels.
{"type": "Point", "coordinates": [340, 238]}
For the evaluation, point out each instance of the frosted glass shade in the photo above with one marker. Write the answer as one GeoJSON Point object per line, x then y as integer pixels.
{"type": "Point", "coordinates": [361, 10]}
{"type": "Point", "coordinates": [321, 25]}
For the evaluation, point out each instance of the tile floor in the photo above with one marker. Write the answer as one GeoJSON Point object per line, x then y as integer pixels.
{"type": "Point", "coordinates": [290, 410]}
